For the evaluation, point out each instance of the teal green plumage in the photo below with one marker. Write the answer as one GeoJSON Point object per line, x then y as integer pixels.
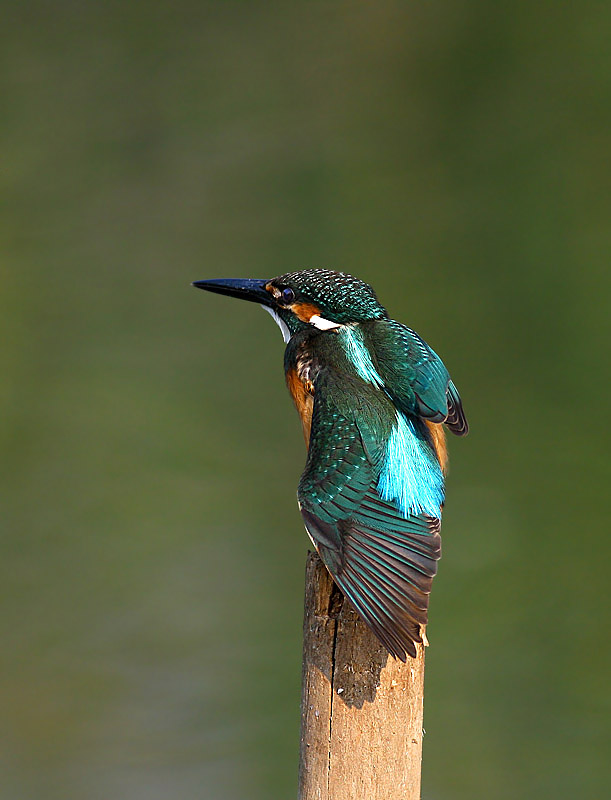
{"type": "Point", "coordinates": [368, 390]}
{"type": "Point", "coordinates": [378, 537]}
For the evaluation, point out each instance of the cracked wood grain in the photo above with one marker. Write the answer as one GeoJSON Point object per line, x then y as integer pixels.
{"type": "Point", "coordinates": [361, 711]}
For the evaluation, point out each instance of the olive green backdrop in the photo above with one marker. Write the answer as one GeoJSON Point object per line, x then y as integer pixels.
{"type": "Point", "coordinates": [451, 153]}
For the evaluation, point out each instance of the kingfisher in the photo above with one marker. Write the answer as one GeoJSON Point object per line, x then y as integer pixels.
{"type": "Point", "coordinates": [373, 399]}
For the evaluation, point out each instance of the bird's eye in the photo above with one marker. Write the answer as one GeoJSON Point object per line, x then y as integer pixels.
{"type": "Point", "coordinates": [287, 296]}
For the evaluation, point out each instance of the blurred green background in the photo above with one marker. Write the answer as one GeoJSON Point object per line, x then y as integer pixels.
{"type": "Point", "coordinates": [451, 153]}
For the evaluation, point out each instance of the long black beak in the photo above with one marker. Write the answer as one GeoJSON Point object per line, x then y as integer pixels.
{"type": "Point", "coordinates": [243, 288]}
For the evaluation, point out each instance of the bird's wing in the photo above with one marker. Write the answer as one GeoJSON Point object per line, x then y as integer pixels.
{"type": "Point", "coordinates": [415, 377]}
{"type": "Point", "coordinates": [383, 560]}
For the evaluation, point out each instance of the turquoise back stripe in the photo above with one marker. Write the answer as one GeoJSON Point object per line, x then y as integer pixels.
{"type": "Point", "coordinates": [359, 355]}
{"type": "Point", "coordinates": [411, 476]}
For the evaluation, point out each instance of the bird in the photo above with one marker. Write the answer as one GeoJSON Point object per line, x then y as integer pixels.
{"type": "Point", "coordinates": [373, 398]}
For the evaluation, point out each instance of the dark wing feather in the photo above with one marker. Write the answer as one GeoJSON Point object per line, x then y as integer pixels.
{"type": "Point", "coordinates": [383, 562]}
{"type": "Point", "coordinates": [456, 420]}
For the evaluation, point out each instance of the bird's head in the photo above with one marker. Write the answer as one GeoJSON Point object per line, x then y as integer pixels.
{"type": "Point", "coordinates": [319, 298]}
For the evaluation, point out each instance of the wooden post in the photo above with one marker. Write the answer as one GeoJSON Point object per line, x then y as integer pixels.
{"type": "Point", "coordinates": [361, 711]}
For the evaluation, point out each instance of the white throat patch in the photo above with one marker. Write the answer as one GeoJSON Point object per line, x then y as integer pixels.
{"type": "Point", "coordinates": [286, 334]}
{"type": "Point", "coordinates": [323, 324]}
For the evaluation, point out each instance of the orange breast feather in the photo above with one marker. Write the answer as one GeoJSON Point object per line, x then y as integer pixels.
{"type": "Point", "coordinates": [302, 393]}
{"type": "Point", "coordinates": [438, 440]}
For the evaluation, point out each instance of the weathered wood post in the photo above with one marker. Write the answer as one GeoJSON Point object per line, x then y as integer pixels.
{"type": "Point", "coordinates": [361, 711]}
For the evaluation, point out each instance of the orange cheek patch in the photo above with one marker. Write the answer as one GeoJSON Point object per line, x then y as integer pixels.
{"type": "Point", "coordinates": [305, 311]}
